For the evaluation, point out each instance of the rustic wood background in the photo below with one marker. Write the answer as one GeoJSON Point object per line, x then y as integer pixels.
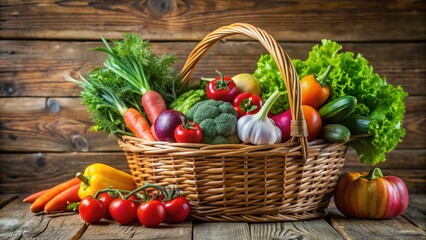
{"type": "Point", "coordinates": [45, 135]}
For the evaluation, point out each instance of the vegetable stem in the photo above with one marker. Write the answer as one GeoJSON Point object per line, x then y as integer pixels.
{"type": "Point", "coordinates": [375, 173]}
{"type": "Point", "coordinates": [262, 114]}
{"type": "Point", "coordinates": [83, 178]}
{"type": "Point", "coordinates": [321, 78]}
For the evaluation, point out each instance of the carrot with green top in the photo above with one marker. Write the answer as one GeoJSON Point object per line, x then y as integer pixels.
{"type": "Point", "coordinates": [133, 71]}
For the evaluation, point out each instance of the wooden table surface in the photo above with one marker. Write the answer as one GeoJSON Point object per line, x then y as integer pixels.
{"type": "Point", "coordinates": [17, 222]}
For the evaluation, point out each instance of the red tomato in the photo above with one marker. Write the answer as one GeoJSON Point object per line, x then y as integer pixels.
{"type": "Point", "coordinates": [188, 133]}
{"type": "Point", "coordinates": [222, 88]}
{"type": "Point", "coordinates": [151, 213]}
{"type": "Point", "coordinates": [106, 200]}
{"type": "Point", "coordinates": [91, 210]}
{"type": "Point", "coordinates": [247, 103]}
{"type": "Point", "coordinates": [123, 211]}
{"type": "Point", "coordinates": [372, 195]}
{"type": "Point", "coordinates": [177, 210]}
{"type": "Point", "coordinates": [313, 122]}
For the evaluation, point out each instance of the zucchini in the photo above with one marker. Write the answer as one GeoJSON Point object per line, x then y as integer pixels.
{"type": "Point", "coordinates": [336, 133]}
{"type": "Point", "coordinates": [338, 109]}
{"type": "Point", "coordinates": [357, 124]}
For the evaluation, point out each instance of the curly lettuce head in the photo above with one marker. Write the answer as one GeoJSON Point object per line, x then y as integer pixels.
{"type": "Point", "coordinates": [352, 75]}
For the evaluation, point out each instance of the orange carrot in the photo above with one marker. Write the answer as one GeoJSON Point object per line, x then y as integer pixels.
{"type": "Point", "coordinates": [31, 198]}
{"type": "Point", "coordinates": [137, 124]}
{"type": "Point", "coordinates": [60, 201]}
{"type": "Point", "coordinates": [153, 104]}
{"type": "Point", "coordinates": [38, 205]}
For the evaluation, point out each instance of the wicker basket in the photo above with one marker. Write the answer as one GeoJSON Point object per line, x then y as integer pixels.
{"type": "Point", "coordinates": [242, 182]}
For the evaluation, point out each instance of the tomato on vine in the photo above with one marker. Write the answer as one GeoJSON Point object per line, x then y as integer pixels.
{"type": "Point", "coordinates": [177, 209]}
{"type": "Point", "coordinates": [106, 198]}
{"type": "Point", "coordinates": [123, 211]}
{"type": "Point", "coordinates": [222, 88]}
{"type": "Point", "coordinates": [151, 213]}
{"type": "Point", "coordinates": [91, 210]}
{"type": "Point", "coordinates": [188, 132]}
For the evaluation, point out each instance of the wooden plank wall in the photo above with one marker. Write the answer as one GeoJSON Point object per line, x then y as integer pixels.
{"type": "Point", "coordinates": [45, 134]}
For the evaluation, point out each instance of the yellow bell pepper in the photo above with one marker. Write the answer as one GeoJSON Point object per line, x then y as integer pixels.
{"type": "Point", "coordinates": [99, 176]}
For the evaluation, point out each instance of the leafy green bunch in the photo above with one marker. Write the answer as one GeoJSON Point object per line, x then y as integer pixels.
{"type": "Point", "coordinates": [158, 71]}
{"type": "Point", "coordinates": [352, 75]}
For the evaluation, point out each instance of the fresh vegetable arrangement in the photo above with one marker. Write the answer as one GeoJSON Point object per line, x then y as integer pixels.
{"type": "Point", "coordinates": [105, 192]}
{"type": "Point", "coordinates": [125, 207]}
{"type": "Point", "coordinates": [343, 100]}
{"type": "Point", "coordinates": [379, 104]}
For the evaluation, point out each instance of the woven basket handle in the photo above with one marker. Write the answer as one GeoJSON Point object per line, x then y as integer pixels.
{"type": "Point", "coordinates": [289, 74]}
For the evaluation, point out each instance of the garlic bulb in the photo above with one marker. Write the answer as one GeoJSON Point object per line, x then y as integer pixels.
{"type": "Point", "coordinates": [258, 129]}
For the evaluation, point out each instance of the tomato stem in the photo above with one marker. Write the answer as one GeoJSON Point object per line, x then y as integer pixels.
{"type": "Point", "coordinates": [375, 173]}
{"type": "Point", "coordinates": [168, 194]}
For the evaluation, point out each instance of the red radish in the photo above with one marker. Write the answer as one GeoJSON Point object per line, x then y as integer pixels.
{"type": "Point", "coordinates": [154, 104]}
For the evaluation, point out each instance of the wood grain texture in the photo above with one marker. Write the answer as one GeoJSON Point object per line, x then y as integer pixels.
{"type": "Point", "coordinates": [221, 230]}
{"type": "Point", "coordinates": [39, 68]}
{"type": "Point", "coordinates": [7, 198]}
{"type": "Point", "coordinates": [396, 228]}
{"type": "Point", "coordinates": [310, 229]}
{"type": "Point", "coordinates": [191, 20]}
{"type": "Point", "coordinates": [112, 230]}
{"type": "Point", "coordinates": [29, 173]}
{"type": "Point", "coordinates": [17, 222]}
{"type": "Point", "coordinates": [416, 211]}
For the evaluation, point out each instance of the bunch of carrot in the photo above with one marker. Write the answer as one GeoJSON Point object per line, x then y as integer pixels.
{"type": "Point", "coordinates": [56, 198]}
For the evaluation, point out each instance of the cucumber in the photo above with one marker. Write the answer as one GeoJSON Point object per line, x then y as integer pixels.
{"type": "Point", "coordinates": [336, 133]}
{"type": "Point", "coordinates": [357, 124]}
{"type": "Point", "coordinates": [338, 109]}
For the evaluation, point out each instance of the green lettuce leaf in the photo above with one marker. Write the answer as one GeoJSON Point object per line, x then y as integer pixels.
{"type": "Point", "coordinates": [270, 80]}
{"type": "Point", "coordinates": [352, 75]}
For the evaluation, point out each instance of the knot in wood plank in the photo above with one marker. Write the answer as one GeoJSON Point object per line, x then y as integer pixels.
{"type": "Point", "coordinates": [159, 8]}
{"type": "Point", "coordinates": [80, 143]}
{"type": "Point", "coordinates": [52, 106]}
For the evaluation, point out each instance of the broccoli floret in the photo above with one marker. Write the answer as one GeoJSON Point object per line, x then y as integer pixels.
{"type": "Point", "coordinates": [225, 124]}
{"type": "Point", "coordinates": [217, 119]}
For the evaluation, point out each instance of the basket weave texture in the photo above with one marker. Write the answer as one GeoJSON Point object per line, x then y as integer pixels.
{"type": "Point", "coordinates": [242, 182]}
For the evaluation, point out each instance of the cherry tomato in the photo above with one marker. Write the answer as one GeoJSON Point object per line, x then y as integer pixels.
{"type": "Point", "coordinates": [106, 200]}
{"type": "Point", "coordinates": [247, 103]}
{"type": "Point", "coordinates": [177, 210]}
{"type": "Point", "coordinates": [222, 88]}
{"type": "Point", "coordinates": [91, 210]}
{"type": "Point", "coordinates": [123, 211]}
{"type": "Point", "coordinates": [151, 213]}
{"type": "Point", "coordinates": [313, 122]}
{"type": "Point", "coordinates": [188, 133]}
